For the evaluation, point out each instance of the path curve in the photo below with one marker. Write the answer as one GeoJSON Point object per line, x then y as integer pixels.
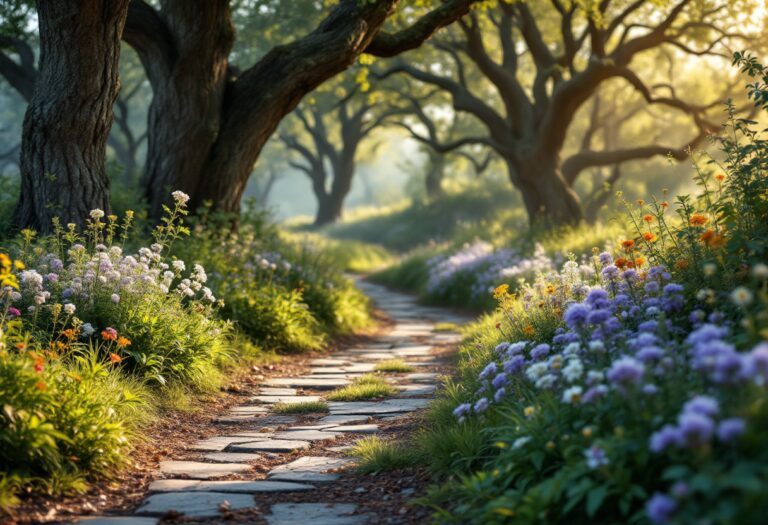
{"type": "Point", "coordinates": [305, 456]}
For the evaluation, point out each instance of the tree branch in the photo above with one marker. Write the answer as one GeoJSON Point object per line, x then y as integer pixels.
{"type": "Point", "coordinates": [391, 44]}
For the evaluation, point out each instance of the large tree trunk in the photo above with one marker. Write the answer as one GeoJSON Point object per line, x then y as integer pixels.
{"type": "Point", "coordinates": [185, 114]}
{"type": "Point", "coordinates": [67, 123]}
{"type": "Point", "coordinates": [547, 197]}
{"type": "Point", "coordinates": [435, 175]}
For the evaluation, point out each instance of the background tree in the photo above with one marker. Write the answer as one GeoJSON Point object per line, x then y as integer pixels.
{"type": "Point", "coordinates": [332, 125]}
{"type": "Point", "coordinates": [545, 60]}
{"type": "Point", "coordinates": [444, 137]}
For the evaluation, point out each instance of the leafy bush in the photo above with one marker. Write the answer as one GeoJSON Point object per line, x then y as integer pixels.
{"type": "Point", "coordinates": [62, 421]}
{"type": "Point", "coordinates": [282, 295]}
{"type": "Point", "coordinates": [152, 312]}
{"type": "Point", "coordinates": [634, 393]}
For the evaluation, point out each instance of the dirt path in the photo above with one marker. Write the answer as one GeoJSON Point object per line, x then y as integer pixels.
{"type": "Point", "coordinates": [290, 469]}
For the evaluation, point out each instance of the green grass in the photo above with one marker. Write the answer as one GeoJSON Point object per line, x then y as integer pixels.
{"type": "Point", "coordinates": [397, 366]}
{"type": "Point", "coordinates": [374, 455]}
{"type": "Point", "coordinates": [368, 386]}
{"type": "Point", "coordinates": [446, 327]}
{"type": "Point", "coordinates": [464, 212]}
{"type": "Point", "coordinates": [304, 407]}
{"type": "Point", "coordinates": [346, 254]}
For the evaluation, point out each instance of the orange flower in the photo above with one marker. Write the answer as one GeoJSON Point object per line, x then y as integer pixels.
{"type": "Point", "coordinates": [70, 333]}
{"type": "Point", "coordinates": [682, 264]}
{"type": "Point", "coordinates": [640, 202]}
{"type": "Point", "coordinates": [529, 330]}
{"type": "Point", "coordinates": [621, 263]}
{"type": "Point", "coordinates": [664, 204]}
{"type": "Point", "coordinates": [720, 177]}
{"type": "Point", "coordinates": [114, 358]}
{"type": "Point", "coordinates": [649, 237]}
{"type": "Point", "coordinates": [628, 244]}
{"type": "Point", "coordinates": [39, 364]}
{"type": "Point", "coordinates": [21, 346]}
{"type": "Point", "coordinates": [648, 218]}
{"type": "Point", "coordinates": [698, 219]}
{"type": "Point", "coordinates": [712, 239]}
{"type": "Point", "coordinates": [122, 342]}
{"type": "Point", "coordinates": [109, 334]}
{"type": "Point", "coordinates": [41, 386]}
{"type": "Point", "coordinates": [640, 261]}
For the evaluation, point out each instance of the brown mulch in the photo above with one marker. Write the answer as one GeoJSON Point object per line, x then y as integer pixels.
{"type": "Point", "coordinates": [385, 494]}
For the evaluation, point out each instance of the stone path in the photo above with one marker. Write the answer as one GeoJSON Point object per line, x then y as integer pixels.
{"type": "Point", "coordinates": [221, 476]}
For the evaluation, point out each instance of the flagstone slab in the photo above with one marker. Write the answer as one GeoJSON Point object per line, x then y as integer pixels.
{"type": "Point", "coordinates": [270, 445]}
{"type": "Point", "coordinates": [306, 435]}
{"type": "Point", "coordinates": [284, 399]}
{"type": "Point", "coordinates": [218, 443]}
{"type": "Point", "coordinates": [416, 390]}
{"type": "Point", "coordinates": [316, 514]}
{"type": "Point", "coordinates": [376, 356]}
{"type": "Point", "coordinates": [237, 486]}
{"type": "Point", "coordinates": [327, 370]}
{"type": "Point", "coordinates": [360, 367]}
{"type": "Point", "coordinates": [117, 520]}
{"type": "Point", "coordinates": [313, 427]}
{"type": "Point", "coordinates": [309, 468]}
{"type": "Point", "coordinates": [328, 362]}
{"type": "Point", "coordinates": [249, 409]}
{"type": "Point", "coordinates": [199, 470]}
{"type": "Point", "coordinates": [413, 351]}
{"type": "Point", "coordinates": [342, 375]}
{"type": "Point", "coordinates": [421, 376]}
{"type": "Point", "coordinates": [343, 420]}
{"type": "Point", "coordinates": [356, 429]}
{"type": "Point", "coordinates": [304, 382]}
{"type": "Point", "coordinates": [232, 457]}
{"type": "Point", "coordinates": [382, 407]}
{"type": "Point", "coordinates": [270, 391]}
{"type": "Point", "coordinates": [195, 504]}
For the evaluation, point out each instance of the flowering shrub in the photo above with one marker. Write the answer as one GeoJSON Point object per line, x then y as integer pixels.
{"type": "Point", "coordinates": [62, 417]}
{"type": "Point", "coordinates": [282, 297]}
{"type": "Point", "coordinates": [469, 275]}
{"type": "Point", "coordinates": [156, 314]}
{"type": "Point", "coordinates": [634, 393]}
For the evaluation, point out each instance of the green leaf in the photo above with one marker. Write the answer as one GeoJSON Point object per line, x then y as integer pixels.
{"type": "Point", "coordinates": [595, 499]}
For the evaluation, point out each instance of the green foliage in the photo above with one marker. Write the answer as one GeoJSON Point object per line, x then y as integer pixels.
{"type": "Point", "coordinates": [540, 455]}
{"type": "Point", "coordinates": [367, 386]}
{"type": "Point", "coordinates": [285, 296]}
{"type": "Point", "coordinates": [62, 422]}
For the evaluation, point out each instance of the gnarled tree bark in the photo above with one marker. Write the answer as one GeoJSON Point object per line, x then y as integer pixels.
{"type": "Point", "coordinates": [70, 112]}
{"type": "Point", "coordinates": [208, 124]}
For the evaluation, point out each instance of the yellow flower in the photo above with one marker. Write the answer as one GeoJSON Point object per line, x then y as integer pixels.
{"type": "Point", "coordinates": [587, 432]}
{"type": "Point", "coordinates": [529, 411]}
{"type": "Point", "coordinates": [500, 291]}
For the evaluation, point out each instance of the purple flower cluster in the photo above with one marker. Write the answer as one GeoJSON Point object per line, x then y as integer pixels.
{"type": "Point", "coordinates": [696, 426]}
